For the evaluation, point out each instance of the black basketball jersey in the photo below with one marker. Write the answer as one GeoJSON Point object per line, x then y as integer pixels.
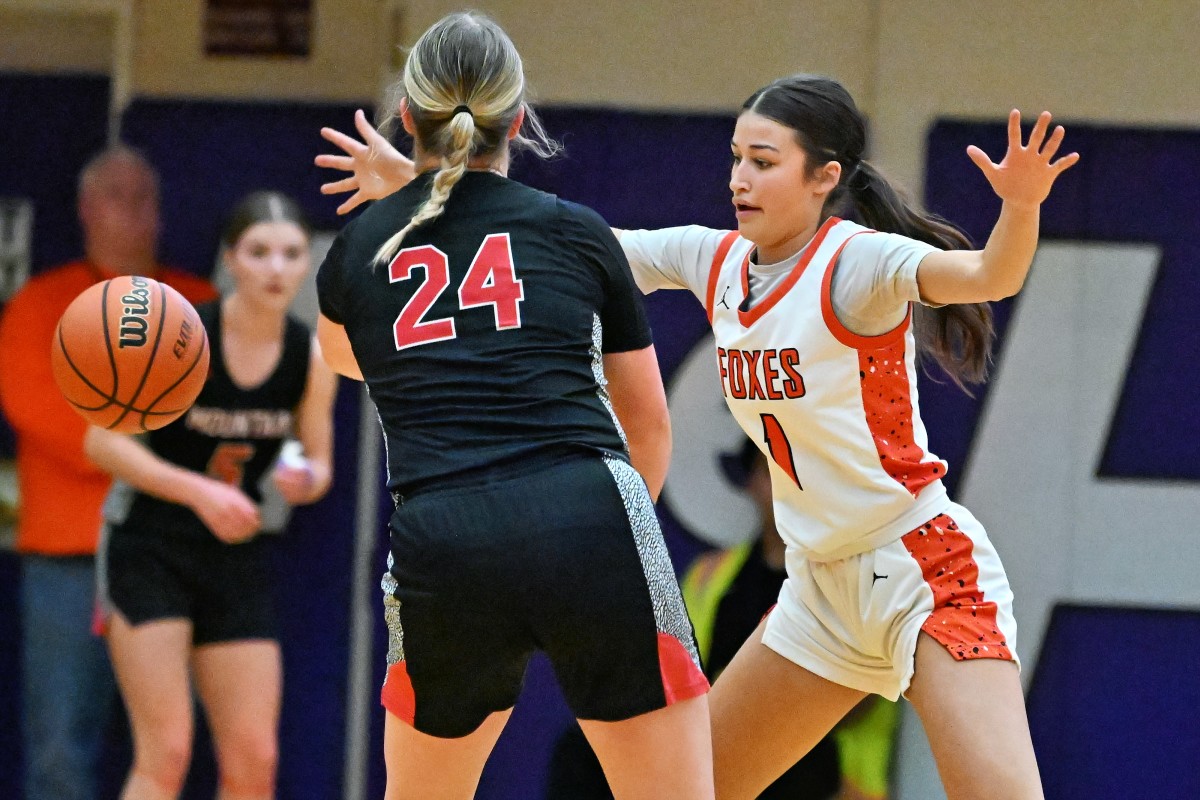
{"type": "Point", "coordinates": [230, 433]}
{"type": "Point", "coordinates": [481, 341]}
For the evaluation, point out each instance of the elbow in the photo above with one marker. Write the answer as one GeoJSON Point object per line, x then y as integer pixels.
{"type": "Point", "coordinates": [990, 289]}
{"type": "Point", "coordinates": [664, 429]}
{"type": "Point", "coordinates": [91, 447]}
{"type": "Point", "coordinates": [1009, 286]}
{"type": "Point", "coordinates": [323, 481]}
{"type": "Point", "coordinates": [653, 430]}
{"type": "Point", "coordinates": [997, 279]}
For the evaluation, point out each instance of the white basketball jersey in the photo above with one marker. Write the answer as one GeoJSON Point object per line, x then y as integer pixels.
{"type": "Point", "coordinates": [835, 412]}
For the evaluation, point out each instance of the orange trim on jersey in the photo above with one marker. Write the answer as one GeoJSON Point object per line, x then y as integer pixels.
{"type": "Point", "coordinates": [397, 694]}
{"type": "Point", "coordinates": [840, 331]}
{"type": "Point", "coordinates": [962, 620]}
{"type": "Point", "coordinates": [681, 676]}
{"type": "Point", "coordinates": [748, 318]}
{"type": "Point", "coordinates": [887, 404]}
{"type": "Point", "coordinates": [714, 272]}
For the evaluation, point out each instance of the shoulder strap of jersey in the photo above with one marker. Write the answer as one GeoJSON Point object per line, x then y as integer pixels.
{"type": "Point", "coordinates": [714, 272]}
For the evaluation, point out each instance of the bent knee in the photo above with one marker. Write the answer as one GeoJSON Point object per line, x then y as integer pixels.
{"type": "Point", "coordinates": [164, 758]}
{"type": "Point", "coordinates": [247, 764]}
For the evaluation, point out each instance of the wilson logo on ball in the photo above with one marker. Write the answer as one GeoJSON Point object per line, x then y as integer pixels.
{"type": "Point", "coordinates": [136, 307]}
{"type": "Point", "coordinates": [130, 354]}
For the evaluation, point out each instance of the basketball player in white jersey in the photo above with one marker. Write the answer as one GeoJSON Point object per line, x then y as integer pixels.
{"type": "Point", "coordinates": [893, 588]}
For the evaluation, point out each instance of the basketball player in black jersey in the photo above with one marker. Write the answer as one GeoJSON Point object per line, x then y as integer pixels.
{"type": "Point", "coordinates": [183, 576]}
{"type": "Point", "coordinates": [506, 348]}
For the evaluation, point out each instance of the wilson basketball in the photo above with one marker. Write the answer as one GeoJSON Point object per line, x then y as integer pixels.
{"type": "Point", "coordinates": [130, 354]}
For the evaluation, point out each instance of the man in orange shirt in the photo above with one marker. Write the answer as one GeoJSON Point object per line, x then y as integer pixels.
{"type": "Point", "coordinates": [68, 686]}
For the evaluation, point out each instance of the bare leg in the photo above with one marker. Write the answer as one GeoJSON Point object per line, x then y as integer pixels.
{"type": "Point", "coordinates": [974, 714]}
{"type": "Point", "coordinates": [663, 754]}
{"type": "Point", "coordinates": [151, 664]}
{"type": "Point", "coordinates": [240, 685]}
{"type": "Point", "coordinates": [424, 767]}
{"type": "Point", "coordinates": [767, 712]}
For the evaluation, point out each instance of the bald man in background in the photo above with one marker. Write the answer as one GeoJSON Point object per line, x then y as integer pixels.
{"type": "Point", "coordinates": [68, 689]}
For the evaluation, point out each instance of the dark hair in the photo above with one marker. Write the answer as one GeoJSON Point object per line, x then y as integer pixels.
{"type": "Point", "coordinates": [262, 206]}
{"type": "Point", "coordinates": [739, 465]}
{"type": "Point", "coordinates": [829, 127]}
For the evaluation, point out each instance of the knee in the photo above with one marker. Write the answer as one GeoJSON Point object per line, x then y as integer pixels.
{"type": "Point", "coordinates": [164, 761]}
{"type": "Point", "coordinates": [247, 763]}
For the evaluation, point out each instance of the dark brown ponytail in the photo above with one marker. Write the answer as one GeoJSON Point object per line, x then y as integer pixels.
{"type": "Point", "coordinates": [829, 127]}
{"type": "Point", "coordinates": [958, 336]}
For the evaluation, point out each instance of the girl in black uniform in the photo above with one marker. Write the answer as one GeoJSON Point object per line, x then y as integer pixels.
{"type": "Point", "coordinates": [183, 576]}
{"type": "Point", "coordinates": [506, 348]}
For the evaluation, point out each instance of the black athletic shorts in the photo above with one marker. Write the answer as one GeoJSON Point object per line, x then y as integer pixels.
{"type": "Point", "coordinates": [567, 558]}
{"type": "Point", "coordinates": [224, 589]}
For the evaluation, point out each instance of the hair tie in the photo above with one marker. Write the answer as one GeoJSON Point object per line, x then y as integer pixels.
{"type": "Point", "coordinates": [459, 109]}
{"type": "Point", "coordinates": [857, 177]}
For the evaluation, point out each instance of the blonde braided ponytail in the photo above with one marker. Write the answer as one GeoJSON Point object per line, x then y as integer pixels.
{"type": "Point", "coordinates": [464, 84]}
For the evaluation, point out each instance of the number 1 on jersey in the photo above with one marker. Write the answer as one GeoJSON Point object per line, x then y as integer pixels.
{"type": "Point", "coordinates": [779, 447]}
{"type": "Point", "coordinates": [491, 280]}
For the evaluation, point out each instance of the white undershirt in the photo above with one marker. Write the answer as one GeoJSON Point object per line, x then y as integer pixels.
{"type": "Point", "coordinates": [874, 279]}
{"type": "Point", "coordinates": [870, 297]}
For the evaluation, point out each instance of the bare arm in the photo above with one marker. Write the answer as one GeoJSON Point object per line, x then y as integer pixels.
{"type": "Point", "coordinates": [224, 509]}
{"type": "Point", "coordinates": [1022, 180]}
{"type": "Point", "coordinates": [314, 428]}
{"type": "Point", "coordinates": [335, 348]}
{"type": "Point", "coordinates": [640, 402]}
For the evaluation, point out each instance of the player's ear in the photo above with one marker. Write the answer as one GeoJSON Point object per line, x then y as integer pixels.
{"type": "Point", "coordinates": [406, 117]}
{"type": "Point", "coordinates": [515, 128]}
{"type": "Point", "coordinates": [828, 176]}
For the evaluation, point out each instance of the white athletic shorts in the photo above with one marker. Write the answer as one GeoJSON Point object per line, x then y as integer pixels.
{"type": "Point", "coordinates": [855, 621]}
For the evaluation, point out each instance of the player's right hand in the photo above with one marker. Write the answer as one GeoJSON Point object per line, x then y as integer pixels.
{"type": "Point", "coordinates": [227, 512]}
{"type": "Point", "coordinates": [376, 168]}
{"type": "Point", "coordinates": [1028, 170]}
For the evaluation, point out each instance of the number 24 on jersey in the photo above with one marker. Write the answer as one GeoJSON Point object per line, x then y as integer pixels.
{"type": "Point", "coordinates": [491, 280]}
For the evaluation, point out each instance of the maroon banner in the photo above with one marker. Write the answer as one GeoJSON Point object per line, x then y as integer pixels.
{"type": "Point", "coordinates": [257, 27]}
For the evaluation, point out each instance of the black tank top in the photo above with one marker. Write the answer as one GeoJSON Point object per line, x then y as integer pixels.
{"type": "Point", "coordinates": [231, 433]}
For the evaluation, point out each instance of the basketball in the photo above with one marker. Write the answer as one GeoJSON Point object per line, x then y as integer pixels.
{"type": "Point", "coordinates": [130, 354]}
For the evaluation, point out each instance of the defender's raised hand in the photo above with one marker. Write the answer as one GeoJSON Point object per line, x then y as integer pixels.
{"type": "Point", "coordinates": [376, 168]}
{"type": "Point", "coordinates": [1027, 172]}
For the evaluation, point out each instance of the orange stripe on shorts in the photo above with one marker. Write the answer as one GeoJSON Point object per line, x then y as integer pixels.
{"type": "Point", "coordinates": [397, 694]}
{"type": "Point", "coordinates": [681, 677]}
{"type": "Point", "coordinates": [962, 619]}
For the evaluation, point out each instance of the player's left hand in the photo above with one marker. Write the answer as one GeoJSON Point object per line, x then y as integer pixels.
{"type": "Point", "coordinates": [1027, 172]}
{"type": "Point", "coordinates": [295, 483]}
{"type": "Point", "coordinates": [376, 168]}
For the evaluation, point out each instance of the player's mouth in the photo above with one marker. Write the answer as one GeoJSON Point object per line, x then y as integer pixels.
{"type": "Point", "coordinates": [745, 210]}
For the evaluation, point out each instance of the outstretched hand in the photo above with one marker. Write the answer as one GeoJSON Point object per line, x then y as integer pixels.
{"type": "Point", "coordinates": [376, 168]}
{"type": "Point", "coordinates": [1027, 172]}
